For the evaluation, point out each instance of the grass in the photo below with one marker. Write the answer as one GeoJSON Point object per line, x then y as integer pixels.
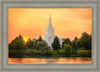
{"type": "Point", "coordinates": [35, 53]}
{"type": "Point", "coordinates": [83, 51]}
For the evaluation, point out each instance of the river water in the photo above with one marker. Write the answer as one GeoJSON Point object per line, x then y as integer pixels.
{"type": "Point", "coordinates": [61, 60]}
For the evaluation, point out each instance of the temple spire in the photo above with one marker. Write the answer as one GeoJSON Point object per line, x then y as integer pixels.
{"type": "Point", "coordinates": [49, 36]}
{"type": "Point", "coordinates": [49, 19]}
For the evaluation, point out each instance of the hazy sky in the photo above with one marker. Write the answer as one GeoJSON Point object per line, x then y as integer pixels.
{"type": "Point", "coordinates": [32, 22]}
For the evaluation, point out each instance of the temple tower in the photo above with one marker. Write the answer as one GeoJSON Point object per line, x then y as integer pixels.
{"type": "Point", "coordinates": [49, 37]}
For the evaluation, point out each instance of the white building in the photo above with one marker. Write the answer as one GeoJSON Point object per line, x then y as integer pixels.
{"type": "Point", "coordinates": [49, 36]}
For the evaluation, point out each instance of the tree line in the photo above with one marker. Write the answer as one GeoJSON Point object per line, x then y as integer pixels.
{"type": "Point", "coordinates": [18, 48]}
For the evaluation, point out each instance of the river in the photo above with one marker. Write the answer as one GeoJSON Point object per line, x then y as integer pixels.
{"type": "Point", "coordinates": [61, 60]}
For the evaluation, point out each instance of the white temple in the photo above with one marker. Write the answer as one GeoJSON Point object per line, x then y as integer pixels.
{"type": "Point", "coordinates": [49, 36]}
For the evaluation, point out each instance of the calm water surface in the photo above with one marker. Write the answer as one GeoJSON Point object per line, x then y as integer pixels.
{"type": "Point", "coordinates": [67, 60]}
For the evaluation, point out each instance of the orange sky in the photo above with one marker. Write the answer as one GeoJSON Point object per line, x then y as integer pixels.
{"type": "Point", "coordinates": [32, 22]}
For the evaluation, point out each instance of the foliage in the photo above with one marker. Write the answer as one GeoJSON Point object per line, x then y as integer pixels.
{"type": "Point", "coordinates": [29, 53]}
{"type": "Point", "coordinates": [68, 49]}
{"type": "Point", "coordinates": [74, 43]}
{"type": "Point", "coordinates": [56, 44]}
{"type": "Point", "coordinates": [40, 38]}
{"type": "Point", "coordinates": [17, 44]}
{"type": "Point", "coordinates": [84, 53]}
{"type": "Point", "coordinates": [16, 53]}
{"type": "Point", "coordinates": [53, 53]}
{"type": "Point", "coordinates": [74, 52]}
{"type": "Point", "coordinates": [85, 41]}
{"type": "Point", "coordinates": [30, 44]}
{"type": "Point", "coordinates": [61, 52]}
{"type": "Point", "coordinates": [39, 48]}
{"type": "Point", "coordinates": [36, 52]}
{"type": "Point", "coordinates": [66, 41]}
{"type": "Point", "coordinates": [42, 47]}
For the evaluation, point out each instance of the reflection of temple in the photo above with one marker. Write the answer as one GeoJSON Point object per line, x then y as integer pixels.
{"type": "Point", "coordinates": [49, 36]}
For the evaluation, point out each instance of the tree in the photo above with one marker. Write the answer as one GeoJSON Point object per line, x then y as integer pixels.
{"type": "Point", "coordinates": [30, 44]}
{"type": "Point", "coordinates": [74, 43]}
{"type": "Point", "coordinates": [66, 41]}
{"type": "Point", "coordinates": [43, 47]}
{"type": "Point", "coordinates": [17, 44]}
{"type": "Point", "coordinates": [56, 44]}
{"type": "Point", "coordinates": [16, 47]}
{"type": "Point", "coordinates": [85, 41]}
{"type": "Point", "coordinates": [40, 39]}
{"type": "Point", "coordinates": [68, 49]}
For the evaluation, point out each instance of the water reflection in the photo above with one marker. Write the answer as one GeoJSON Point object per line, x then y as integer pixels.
{"type": "Point", "coordinates": [68, 60]}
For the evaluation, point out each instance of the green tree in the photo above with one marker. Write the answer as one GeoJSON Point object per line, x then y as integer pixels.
{"type": "Point", "coordinates": [16, 47]}
{"type": "Point", "coordinates": [30, 44]}
{"type": "Point", "coordinates": [66, 41]}
{"type": "Point", "coordinates": [43, 47]}
{"type": "Point", "coordinates": [40, 39]}
{"type": "Point", "coordinates": [85, 41]}
{"type": "Point", "coordinates": [37, 40]}
{"type": "Point", "coordinates": [74, 43]}
{"type": "Point", "coordinates": [17, 44]}
{"type": "Point", "coordinates": [68, 49]}
{"type": "Point", "coordinates": [56, 44]}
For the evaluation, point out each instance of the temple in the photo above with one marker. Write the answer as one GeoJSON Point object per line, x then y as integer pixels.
{"type": "Point", "coordinates": [49, 36]}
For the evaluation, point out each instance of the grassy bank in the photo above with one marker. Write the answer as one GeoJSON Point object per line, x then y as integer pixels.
{"type": "Point", "coordinates": [30, 53]}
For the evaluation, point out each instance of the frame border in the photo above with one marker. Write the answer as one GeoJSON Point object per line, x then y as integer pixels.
{"type": "Point", "coordinates": [4, 6]}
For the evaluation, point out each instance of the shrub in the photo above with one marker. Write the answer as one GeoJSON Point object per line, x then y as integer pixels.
{"type": "Point", "coordinates": [53, 53]}
{"type": "Point", "coordinates": [68, 49]}
{"type": "Point", "coordinates": [84, 53]}
{"type": "Point", "coordinates": [43, 48]}
{"type": "Point", "coordinates": [16, 53]}
{"type": "Point", "coordinates": [62, 52]}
